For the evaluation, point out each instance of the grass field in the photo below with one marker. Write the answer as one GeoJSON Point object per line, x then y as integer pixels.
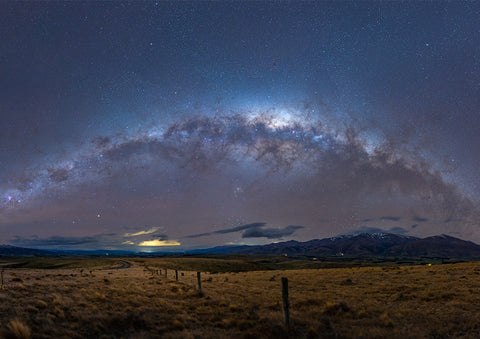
{"type": "Point", "coordinates": [129, 298]}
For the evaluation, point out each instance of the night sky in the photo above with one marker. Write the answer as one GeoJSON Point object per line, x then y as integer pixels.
{"type": "Point", "coordinates": [175, 125]}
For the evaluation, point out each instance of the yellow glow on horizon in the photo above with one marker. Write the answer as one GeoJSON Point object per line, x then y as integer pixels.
{"type": "Point", "coordinates": [159, 243]}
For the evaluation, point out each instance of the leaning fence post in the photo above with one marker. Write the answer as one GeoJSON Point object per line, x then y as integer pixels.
{"type": "Point", "coordinates": [176, 275]}
{"type": "Point", "coordinates": [286, 309]}
{"type": "Point", "coordinates": [199, 279]}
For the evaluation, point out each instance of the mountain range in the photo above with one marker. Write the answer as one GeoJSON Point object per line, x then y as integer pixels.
{"type": "Point", "coordinates": [19, 251]}
{"type": "Point", "coordinates": [349, 246]}
{"type": "Point", "coordinates": [363, 245]}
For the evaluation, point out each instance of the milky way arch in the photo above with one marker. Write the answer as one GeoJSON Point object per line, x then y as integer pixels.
{"type": "Point", "coordinates": [253, 161]}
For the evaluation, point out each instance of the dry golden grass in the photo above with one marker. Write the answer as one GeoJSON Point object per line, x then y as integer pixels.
{"type": "Point", "coordinates": [439, 301]}
{"type": "Point", "coordinates": [17, 329]}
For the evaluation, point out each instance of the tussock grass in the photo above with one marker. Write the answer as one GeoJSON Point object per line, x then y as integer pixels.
{"type": "Point", "coordinates": [17, 329]}
{"type": "Point", "coordinates": [370, 302]}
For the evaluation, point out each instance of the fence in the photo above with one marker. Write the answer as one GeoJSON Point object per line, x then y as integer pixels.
{"type": "Point", "coordinates": [198, 275]}
{"type": "Point", "coordinates": [284, 287]}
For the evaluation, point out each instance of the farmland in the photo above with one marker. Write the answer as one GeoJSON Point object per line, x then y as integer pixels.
{"type": "Point", "coordinates": [133, 298]}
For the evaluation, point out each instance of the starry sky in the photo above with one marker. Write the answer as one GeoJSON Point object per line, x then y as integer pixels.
{"type": "Point", "coordinates": [176, 125]}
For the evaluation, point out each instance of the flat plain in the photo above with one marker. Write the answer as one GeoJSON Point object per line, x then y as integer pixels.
{"type": "Point", "coordinates": [133, 298]}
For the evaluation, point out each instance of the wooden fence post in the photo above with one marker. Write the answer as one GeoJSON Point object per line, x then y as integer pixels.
{"type": "Point", "coordinates": [2, 277]}
{"type": "Point", "coordinates": [286, 306]}
{"type": "Point", "coordinates": [165, 273]}
{"type": "Point", "coordinates": [199, 279]}
{"type": "Point", "coordinates": [176, 275]}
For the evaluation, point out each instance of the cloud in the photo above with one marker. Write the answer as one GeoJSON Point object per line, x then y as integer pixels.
{"type": "Point", "coordinates": [229, 230]}
{"type": "Point", "coordinates": [161, 236]}
{"type": "Point", "coordinates": [97, 241]}
{"type": "Point", "coordinates": [254, 230]}
{"type": "Point", "coordinates": [158, 243]}
{"type": "Point", "coordinates": [270, 233]}
{"type": "Point", "coordinates": [54, 241]}
{"type": "Point", "coordinates": [390, 218]}
{"type": "Point", "coordinates": [420, 219]}
{"type": "Point", "coordinates": [149, 231]}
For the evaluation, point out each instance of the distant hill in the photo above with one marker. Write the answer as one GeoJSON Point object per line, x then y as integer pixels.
{"type": "Point", "coordinates": [377, 244]}
{"type": "Point", "coordinates": [364, 245]}
{"type": "Point", "coordinates": [438, 246]}
{"type": "Point", "coordinates": [19, 251]}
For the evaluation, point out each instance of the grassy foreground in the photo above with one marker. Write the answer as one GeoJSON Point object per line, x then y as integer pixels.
{"type": "Point", "coordinates": [132, 298]}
